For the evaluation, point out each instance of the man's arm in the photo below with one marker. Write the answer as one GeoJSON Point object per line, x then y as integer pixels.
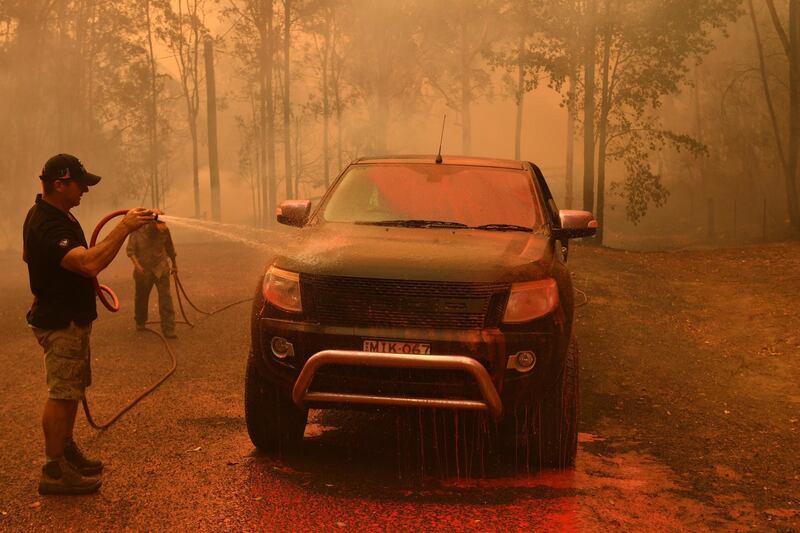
{"type": "Point", "coordinates": [90, 262]}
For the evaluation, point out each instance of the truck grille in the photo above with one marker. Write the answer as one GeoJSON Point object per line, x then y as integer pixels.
{"type": "Point", "coordinates": [365, 302]}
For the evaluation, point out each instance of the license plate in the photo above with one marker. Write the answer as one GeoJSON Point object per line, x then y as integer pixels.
{"type": "Point", "coordinates": [380, 346]}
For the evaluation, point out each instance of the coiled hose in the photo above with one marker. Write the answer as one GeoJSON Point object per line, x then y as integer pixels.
{"type": "Point", "coordinates": [113, 306]}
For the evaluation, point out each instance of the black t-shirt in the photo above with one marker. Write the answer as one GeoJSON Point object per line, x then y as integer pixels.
{"type": "Point", "coordinates": [59, 296]}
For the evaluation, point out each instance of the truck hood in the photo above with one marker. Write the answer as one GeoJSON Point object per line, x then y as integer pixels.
{"type": "Point", "coordinates": [436, 254]}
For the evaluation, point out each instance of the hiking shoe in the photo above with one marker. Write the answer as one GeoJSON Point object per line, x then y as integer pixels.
{"type": "Point", "coordinates": [170, 335]}
{"type": "Point", "coordinates": [60, 477]}
{"type": "Point", "coordinates": [84, 465]}
{"type": "Point", "coordinates": [140, 327]}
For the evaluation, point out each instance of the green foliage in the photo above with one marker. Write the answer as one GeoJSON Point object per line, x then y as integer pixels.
{"type": "Point", "coordinates": [74, 80]}
{"type": "Point", "coordinates": [651, 47]}
{"type": "Point", "coordinates": [382, 64]}
{"type": "Point", "coordinates": [76, 76]}
{"type": "Point", "coordinates": [641, 186]}
{"type": "Point", "coordinates": [538, 35]}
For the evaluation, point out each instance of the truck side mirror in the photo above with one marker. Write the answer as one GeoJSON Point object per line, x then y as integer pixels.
{"type": "Point", "coordinates": [293, 212]}
{"type": "Point", "coordinates": [575, 224]}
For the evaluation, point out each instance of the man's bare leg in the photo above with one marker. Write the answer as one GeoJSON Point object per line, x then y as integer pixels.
{"type": "Point", "coordinates": [71, 421]}
{"type": "Point", "coordinates": [60, 476]}
{"type": "Point", "coordinates": [57, 422]}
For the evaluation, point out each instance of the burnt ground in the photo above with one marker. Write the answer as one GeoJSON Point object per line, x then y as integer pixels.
{"type": "Point", "coordinates": [689, 418]}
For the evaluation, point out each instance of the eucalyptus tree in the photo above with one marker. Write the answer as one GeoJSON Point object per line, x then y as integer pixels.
{"type": "Point", "coordinates": [184, 32]}
{"type": "Point", "coordinates": [539, 47]}
{"type": "Point", "coordinates": [564, 27]}
{"type": "Point", "coordinates": [152, 13]}
{"type": "Point", "coordinates": [319, 22]}
{"type": "Point", "coordinates": [288, 13]}
{"type": "Point", "coordinates": [554, 41]}
{"type": "Point", "coordinates": [381, 67]}
{"type": "Point", "coordinates": [99, 47]}
{"type": "Point", "coordinates": [646, 49]}
{"type": "Point", "coordinates": [254, 39]}
{"type": "Point", "coordinates": [453, 38]}
{"type": "Point", "coordinates": [789, 38]}
{"type": "Point", "coordinates": [328, 26]}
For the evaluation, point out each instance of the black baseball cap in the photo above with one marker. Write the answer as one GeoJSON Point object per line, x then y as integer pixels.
{"type": "Point", "coordinates": [66, 166]}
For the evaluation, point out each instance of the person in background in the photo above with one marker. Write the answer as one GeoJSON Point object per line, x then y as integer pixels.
{"type": "Point", "coordinates": [61, 268]}
{"type": "Point", "coordinates": [149, 248]}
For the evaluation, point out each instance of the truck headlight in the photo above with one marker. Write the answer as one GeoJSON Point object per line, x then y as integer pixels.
{"type": "Point", "coordinates": [281, 288]}
{"type": "Point", "coordinates": [531, 300]}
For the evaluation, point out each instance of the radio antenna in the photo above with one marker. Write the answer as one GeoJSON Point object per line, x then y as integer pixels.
{"type": "Point", "coordinates": [439, 155]}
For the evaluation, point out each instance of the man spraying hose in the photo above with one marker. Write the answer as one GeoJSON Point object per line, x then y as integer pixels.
{"type": "Point", "coordinates": [61, 268]}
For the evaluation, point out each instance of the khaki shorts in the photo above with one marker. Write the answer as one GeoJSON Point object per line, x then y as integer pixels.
{"type": "Point", "coordinates": [66, 360]}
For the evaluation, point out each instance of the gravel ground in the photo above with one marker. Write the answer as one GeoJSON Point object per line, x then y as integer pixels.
{"type": "Point", "coordinates": [686, 424]}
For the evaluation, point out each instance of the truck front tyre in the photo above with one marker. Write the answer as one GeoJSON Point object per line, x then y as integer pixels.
{"type": "Point", "coordinates": [274, 423]}
{"type": "Point", "coordinates": [559, 423]}
{"type": "Point", "coordinates": [542, 431]}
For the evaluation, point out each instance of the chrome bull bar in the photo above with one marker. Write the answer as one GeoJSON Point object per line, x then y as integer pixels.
{"type": "Point", "coordinates": [491, 399]}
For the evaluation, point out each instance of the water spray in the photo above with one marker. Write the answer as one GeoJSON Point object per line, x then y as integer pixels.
{"type": "Point", "coordinates": [114, 306]}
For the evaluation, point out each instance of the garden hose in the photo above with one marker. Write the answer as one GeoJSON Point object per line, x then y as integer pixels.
{"type": "Point", "coordinates": [102, 290]}
{"type": "Point", "coordinates": [113, 306]}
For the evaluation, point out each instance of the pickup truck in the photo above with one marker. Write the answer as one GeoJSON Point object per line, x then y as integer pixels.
{"type": "Point", "coordinates": [421, 282]}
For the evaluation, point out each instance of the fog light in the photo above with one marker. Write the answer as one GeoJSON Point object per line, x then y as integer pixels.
{"type": "Point", "coordinates": [281, 348]}
{"type": "Point", "coordinates": [522, 361]}
{"type": "Point", "coordinates": [526, 359]}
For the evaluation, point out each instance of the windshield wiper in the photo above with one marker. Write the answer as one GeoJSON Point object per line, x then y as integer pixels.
{"type": "Point", "coordinates": [503, 227]}
{"type": "Point", "coordinates": [414, 223]}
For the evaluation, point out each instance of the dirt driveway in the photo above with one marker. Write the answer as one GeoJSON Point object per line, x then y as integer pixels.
{"type": "Point", "coordinates": [690, 408]}
{"type": "Point", "coordinates": [694, 359]}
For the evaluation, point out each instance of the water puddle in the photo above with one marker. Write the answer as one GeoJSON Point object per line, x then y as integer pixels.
{"type": "Point", "coordinates": [627, 491]}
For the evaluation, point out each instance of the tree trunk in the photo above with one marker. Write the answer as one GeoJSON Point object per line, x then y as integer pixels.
{"type": "Point", "coordinates": [466, 95]}
{"type": "Point", "coordinates": [520, 98]}
{"type": "Point", "coordinates": [257, 106]}
{"type": "Point", "coordinates": [338, 103]}
{"type": "Point", "coordinates": [588, 108]}
{"type": "Point", "coordinates": [62, 69]}
{"type": "Point", "coordinates": [605, 106]}
{"type": "Point", "coordinates": [326, 111]}
{"type": "Point", "coordinates": [337, 97]}
{"type": "Point", "coordinates": [263, 92]}
{"type": "Point", "coordinates": [266, 111]}
{"type": "Point", "coordinates": [794, 113]}
{"type": "Point", "coordinates": [195, 105]}
{"type": "Point", "coordinates": [195, 165]}
{"type": "Point", "coordinates": [271, 178]}
{"type": "Point", "coordinates": [787, 164]}
{"type": "Point", "coordinates": [153, 112]}
{"type": "Point", "coordinates": [213, 159]}
{"type": "Point", "coordinates": [255, 183]}
{"type": "Point", "coordinates": [298, 158]}
{"type": "Point", "coordinates": [187, 57]}
{"type": "Point", "coordinates": [700, 135]}
{"type": "Point", "coordinates": [287, 108]}
{"type": "Point", "coordinates": [91, 36]}
{"type": "Point", "coordinates": [569, 172]}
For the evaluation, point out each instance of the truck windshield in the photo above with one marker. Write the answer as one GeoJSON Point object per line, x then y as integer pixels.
{"type": "Point", "coordinates": [429, 195]}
